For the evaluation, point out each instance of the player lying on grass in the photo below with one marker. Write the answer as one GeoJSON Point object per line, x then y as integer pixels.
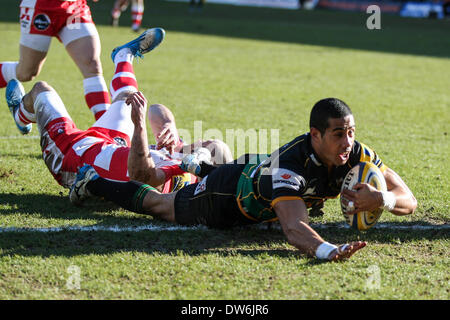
{"type": "Point", "coordinates": [301, 174]}
{"type": "Point", "coordinates": [107, 144]}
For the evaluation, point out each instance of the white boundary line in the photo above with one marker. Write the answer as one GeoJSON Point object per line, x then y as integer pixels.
{"type": "Point", "coordinates": [158, 228]}
{"type": "Point", "coordinates": [115, 228]}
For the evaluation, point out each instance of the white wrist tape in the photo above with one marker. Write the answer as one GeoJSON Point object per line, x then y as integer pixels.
{"type": "Point", "coordinates": [389, 200]}
{"type": "Point", "coordinates": [323, 251]}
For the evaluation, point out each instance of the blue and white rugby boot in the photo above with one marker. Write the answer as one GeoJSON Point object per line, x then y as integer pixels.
{"type": "Point", "coordinates": [78, 191]}
{"type": "Point", "coordinates": [192, 162]}
{"type": "Point", "coordinates": [14, 95]}
{"type": "Point", "coordinates": [146, 42]}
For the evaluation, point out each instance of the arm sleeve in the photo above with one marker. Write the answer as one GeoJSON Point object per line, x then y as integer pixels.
{"type": "Point", "coordinates": [288, 176]}
{"type": "Point", "coordinates": [366, 154]}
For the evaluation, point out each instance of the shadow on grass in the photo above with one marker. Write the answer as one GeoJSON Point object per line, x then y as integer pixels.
{"type": "Point", "coordinates": [244, 241]}
{"type": "Point", "coordinates": [345, 30]}
{"type": "Point", "coordinates": [59, 207]}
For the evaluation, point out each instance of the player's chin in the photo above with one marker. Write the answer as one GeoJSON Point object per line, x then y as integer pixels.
{"type": "Point", "coordinates": [341, 159]}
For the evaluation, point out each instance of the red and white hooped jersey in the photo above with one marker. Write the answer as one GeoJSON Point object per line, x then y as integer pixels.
{"type": "Point", "coordinates": [104, 149]}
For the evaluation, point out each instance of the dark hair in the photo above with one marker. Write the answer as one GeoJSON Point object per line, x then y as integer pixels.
{"type": "Point", "coordinates": [326, 109]}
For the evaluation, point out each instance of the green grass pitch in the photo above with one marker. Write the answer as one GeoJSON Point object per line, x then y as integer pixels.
{"type": "Point", "coordinates": [241, 68]}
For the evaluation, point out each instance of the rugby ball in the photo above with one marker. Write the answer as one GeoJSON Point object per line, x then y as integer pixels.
{"type": "Point", "coordinates": [364, 172]}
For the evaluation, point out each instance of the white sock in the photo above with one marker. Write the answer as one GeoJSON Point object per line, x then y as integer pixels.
{"type": "Point", "coordinates": [124, 55]}
{"type": "Point", "coordinates": [8, 71]}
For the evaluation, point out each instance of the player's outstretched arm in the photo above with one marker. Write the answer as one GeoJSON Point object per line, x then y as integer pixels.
{"type": "Point", "coordinates": [293, 217]}
{"type": "Point", "coordinates": [140, 164]}
{"type": "Point", "coordinates": [405, 202]}
{"type": "Point", "coordinates": [398, 199]}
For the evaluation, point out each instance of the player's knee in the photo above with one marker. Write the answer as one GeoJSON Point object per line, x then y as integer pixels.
{"type": "Point", "coordinates": [39, 87]}
{"type": "Point", "coordinates": [92, 67]}
{"type": "Point", "coordinates": [27, 75]}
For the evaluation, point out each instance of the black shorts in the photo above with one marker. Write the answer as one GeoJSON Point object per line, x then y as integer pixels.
{"type": "Point", "coordinates": [212, 202]}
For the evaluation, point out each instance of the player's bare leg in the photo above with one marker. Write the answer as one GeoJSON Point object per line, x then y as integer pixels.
{"type": "Point", "coordinates": [30, 63]}
{"type": "Point", "coordinates": [30, 97]}
{"type": "Point", "coordinates": [85, 52]}
{"type": "Point", "coordinates": [160, 205]}
{"type": "Point", "coordinates": [132, 195]}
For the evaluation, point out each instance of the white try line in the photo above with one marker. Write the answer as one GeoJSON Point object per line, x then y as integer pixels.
{"type": "Point", "coordinates": [115, 228]}
{"type": "Point", "coordinates": [159, 228]}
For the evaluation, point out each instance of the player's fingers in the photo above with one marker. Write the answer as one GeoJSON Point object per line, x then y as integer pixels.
{"type": "Point", "coordinates": [131, 100]}
{"type": "Point", "coordinates": [170, 142]}
{"type": "Point", "coordinates": [163, 132]}
{"type": "Point", "coordinates": [354, 207]}
{"type": "Point", "coordinates": [140, 102]}
{"type": "Point", "coordinates": [141, 95]}
{"type": "Point", "coordinates": [348, 194]}
{"type": "Point", "coordinates": [345, 200]}
{"type": "Point", "coordinates": [139, 99]}
{"type": "Point", "coordinates": [359, 186]}
{"type": "Point", "coordinates": [347, 250]}
{"type": "Point", "coordinates": [353, 248]}
{"type": "Point", "coordinates": [128, 99]}
{"type": "Point", "coordinates": [164, 140]}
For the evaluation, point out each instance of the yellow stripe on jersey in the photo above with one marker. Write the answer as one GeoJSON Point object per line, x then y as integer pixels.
{"type": "Point", "coordinates": [368, 155]}
{"type": "Point", "coordinates": [284, 198]}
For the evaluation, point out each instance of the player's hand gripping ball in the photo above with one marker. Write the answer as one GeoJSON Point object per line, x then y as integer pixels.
{"type": "Point", "coordinates": [364, 172]}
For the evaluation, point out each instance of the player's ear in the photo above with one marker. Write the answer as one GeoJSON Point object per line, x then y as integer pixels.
{"type": "Point", "coordinates": [315, 134]}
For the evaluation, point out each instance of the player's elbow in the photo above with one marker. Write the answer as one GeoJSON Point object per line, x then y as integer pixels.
{"type": "Point", "coordinates": [408, 207]}
{"type": "Point", "coordinates": [140, 175]}
{"type": "Point", "coordinates": [413, 205]}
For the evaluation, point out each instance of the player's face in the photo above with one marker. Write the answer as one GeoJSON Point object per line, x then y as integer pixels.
{"type": "Point", "coordinates": [337, 142]}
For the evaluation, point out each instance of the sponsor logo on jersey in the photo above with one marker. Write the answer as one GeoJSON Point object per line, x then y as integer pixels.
{"type": "Point", "coordinates": [201, 186]}
{"type": "Point", "coordinates": [120, 141]}
{"type": "Point", "coordinates": [284, 178]}
{"type": "Point", "coordinates": [25, 18]}
{"type": "Point", "coordinates": [41, 22]}
{"type": "Point", "coordinates": [25, 14]}
{"type": "Point", "coordinates": [180, 181]}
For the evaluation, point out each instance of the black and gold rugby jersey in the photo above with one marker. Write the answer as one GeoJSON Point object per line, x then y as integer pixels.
{"type": "Point", "coordinates": [294, 172]}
